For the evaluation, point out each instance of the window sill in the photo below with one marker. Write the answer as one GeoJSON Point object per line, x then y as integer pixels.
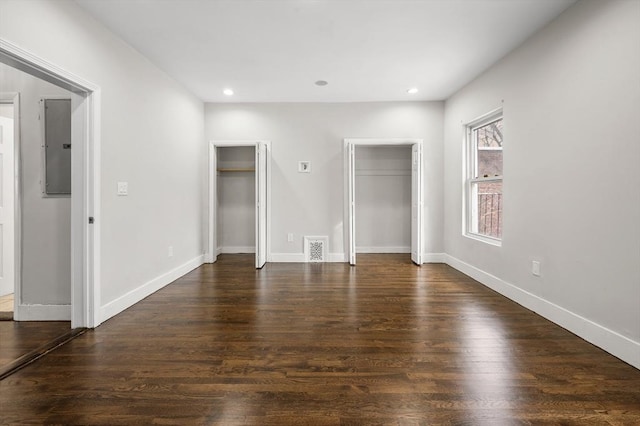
{"type": "Point", "coordinates": [488, 240]}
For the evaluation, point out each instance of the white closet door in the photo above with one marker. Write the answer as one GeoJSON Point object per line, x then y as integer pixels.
{"type": "Point", "coordinates": [261, 204]}
{"type": "Point", "coordinates": [416, 204]}
{"type": "Point", "coordinates": [350, 163]}
{"type": "Point", "coordinates": [213, 203]}
{"type": "Point", "coordinates": [6, 207]}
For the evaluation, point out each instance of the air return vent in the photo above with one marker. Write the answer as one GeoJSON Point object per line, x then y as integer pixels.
{"type": "Point", "coordinates": [315, 249]}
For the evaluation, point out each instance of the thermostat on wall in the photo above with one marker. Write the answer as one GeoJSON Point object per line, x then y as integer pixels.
{"type": "Point", "coordinates": [304, 166]}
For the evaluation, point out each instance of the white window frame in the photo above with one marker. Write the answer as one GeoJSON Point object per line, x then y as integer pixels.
{"type": "Point", "coordinates": [470, 197]}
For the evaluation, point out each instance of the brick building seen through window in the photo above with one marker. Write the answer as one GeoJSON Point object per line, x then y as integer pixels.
{"type": "Point", "coordinates": [486, 180]}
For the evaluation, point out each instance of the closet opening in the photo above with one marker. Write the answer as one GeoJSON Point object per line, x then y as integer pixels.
{"type": "Point", "coordinates": [384, 197]}
{"type": "Point", "coordinates": [238, 199]}
{"type": "Point", "coordinates": [383, 207]}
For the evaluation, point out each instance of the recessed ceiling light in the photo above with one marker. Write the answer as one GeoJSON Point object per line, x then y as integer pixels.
{"type": "Point", "coordinates": [228, 92]}
{"type": "Point", "coordinates": [412, 91]}
{"type": "Point", "coordinates": [321, 83]}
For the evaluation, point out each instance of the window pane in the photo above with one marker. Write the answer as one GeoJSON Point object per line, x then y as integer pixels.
{"type": "Point", "coordinates": [489, 208]}
{"type": "Point", "coordinates": [489, 149]}
{"type": "Point", "coordinates": [489, 162]}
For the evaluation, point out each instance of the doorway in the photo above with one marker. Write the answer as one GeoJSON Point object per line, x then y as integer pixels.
{"type": "Point", "coordinates": [239, 197]}
{"type": "Point", "coordinates": [84, 235]}
{"type": "Point", "coordinates": [383, 207]}
{"type": "Point", "coordinates": [8, 103]}
{"type": "Point", "coordinates": [416, 196]}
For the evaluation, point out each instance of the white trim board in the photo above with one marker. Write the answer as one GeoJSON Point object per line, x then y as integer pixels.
{"type": "Point", "coordinates": [433, 258]}
{"type": "Point", "coordinates": [610, 341]}
{"type": "Point", "coordinates": [382, 250]}
{"type": "Point", "coordinates": [417, 188]}
{"type": "Point", "coordinates": [301, 258]}
{"type": "Point", "coordinates": [342, 257]}
{"type": "Point", "coordinates": [134, 296]}
{"type": "Point", "coordinates": [42, 313]}
{"type": "Point", "coordinates": [379, 172]}
{"type": "Point", "coordinates": [237, 249]}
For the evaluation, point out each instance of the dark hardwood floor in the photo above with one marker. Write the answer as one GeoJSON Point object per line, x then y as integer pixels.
{"type": "Point", "coordinates": [21, 341]}
{"type": "Point", "coordinates": [384, 342]}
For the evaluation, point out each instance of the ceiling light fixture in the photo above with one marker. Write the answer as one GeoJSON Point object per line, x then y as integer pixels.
{"type": "Point", "coordinates": [321, 83]}
{"type": "Point", "coordinates": [412, 91]}
{"type": "Point", "coordinates": [228, 92]}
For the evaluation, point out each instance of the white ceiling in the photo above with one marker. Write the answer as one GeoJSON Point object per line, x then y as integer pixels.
{"type": "Point", "coordinates": [368, 50]}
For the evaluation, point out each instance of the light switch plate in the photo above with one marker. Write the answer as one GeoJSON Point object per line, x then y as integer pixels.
{"type": "Point", "coordinates": [123, 188]}
{"type": "Point", "coordinates": [535, 268]}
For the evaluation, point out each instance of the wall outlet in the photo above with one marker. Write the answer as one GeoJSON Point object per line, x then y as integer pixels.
{"type": "Point", "coordinates": [290, 237]}
{"type": "Point", "coordinates": [535, 268]}
{"type": "Point", "coordinates": [170, 251]}
{"type": "Point", "coordinates": [123, 188]}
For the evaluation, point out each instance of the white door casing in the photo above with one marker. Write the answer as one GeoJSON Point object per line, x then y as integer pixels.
{"type": "Point", "coordinates": [85, 202]}
{"type": "Point", "coordinates": [417, 165]}
{"type": "Point", "coordinates": [262, 200]}
{"type": "Point", "coordinates": [7, 181]}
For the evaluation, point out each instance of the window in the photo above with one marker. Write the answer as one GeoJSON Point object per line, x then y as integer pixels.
{"type": "Point", "coordinates": [484, 178]}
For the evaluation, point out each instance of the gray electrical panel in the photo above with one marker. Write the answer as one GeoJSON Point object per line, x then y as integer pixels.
{"type": "Point", "coordinates": [57, 146]}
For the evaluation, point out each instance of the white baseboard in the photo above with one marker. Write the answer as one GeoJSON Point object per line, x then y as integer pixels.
{"type": "Point", "coordinates": [398, 249]}
{"type": "Point", "coordinates": [342, 258]}
{"type": "Point", "coordinates": [300, 258]}
{"type": "Point", "coordinates": [237, 249]}
{"type": "Point", "coordinates": [609, 340]}
{"type": "Point", "coordinates": [134, 296]}
{"type": "Point", "coordinates": [434, 258]}
{"type": "Point", "coordinates": [42, 313]}
{"type": "Point", "coordinates": [337, 258]}
{"type": "Point", "coordinates": [287, 258]}
{"type": "Point", "coordinates": [426, 257]}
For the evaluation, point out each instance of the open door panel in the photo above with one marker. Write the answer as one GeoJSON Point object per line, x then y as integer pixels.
{"type": "Point", "coordinates": [213, 204]}
{"type": "Point", "coordinates": [351, 201]}
{"type": "Point", "coordinates": [416, 204]}
{"type": "Point", "coordinates": [261, 204]}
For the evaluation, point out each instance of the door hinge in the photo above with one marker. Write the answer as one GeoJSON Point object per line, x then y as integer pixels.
{"type": "Point", "coordinates": [90, 220]}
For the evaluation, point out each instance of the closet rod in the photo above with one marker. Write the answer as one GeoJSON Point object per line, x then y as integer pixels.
{"type": "Point", "coordinates": [237, 170]}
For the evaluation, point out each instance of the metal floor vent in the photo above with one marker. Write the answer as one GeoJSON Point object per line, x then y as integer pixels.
{"type": "Point", "coordinates": [315, 249]}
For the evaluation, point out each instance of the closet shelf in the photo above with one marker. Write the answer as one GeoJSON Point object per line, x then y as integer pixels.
{"type": "Point", "coordinates": [246, 169]}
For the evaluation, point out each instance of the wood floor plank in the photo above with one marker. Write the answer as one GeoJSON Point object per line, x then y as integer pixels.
{"type": "Point", "coordinates": [20, 338]}
{"type": "Point", "coordinates": [384, 342]}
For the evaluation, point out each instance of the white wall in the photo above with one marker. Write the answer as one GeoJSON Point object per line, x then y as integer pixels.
{"type": "Point", "coordinates": [151, 137]}
{"type": "Point", "coordinates": [571, 176]}
{"type": "Point", "coordinates": [383, 199]}
{"type": "Point", "coordinates": [46, 222]}
{"type": "Point", "coordinates": [236, 200]}
{"type": "Point", "coordinates": [312, 204]}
